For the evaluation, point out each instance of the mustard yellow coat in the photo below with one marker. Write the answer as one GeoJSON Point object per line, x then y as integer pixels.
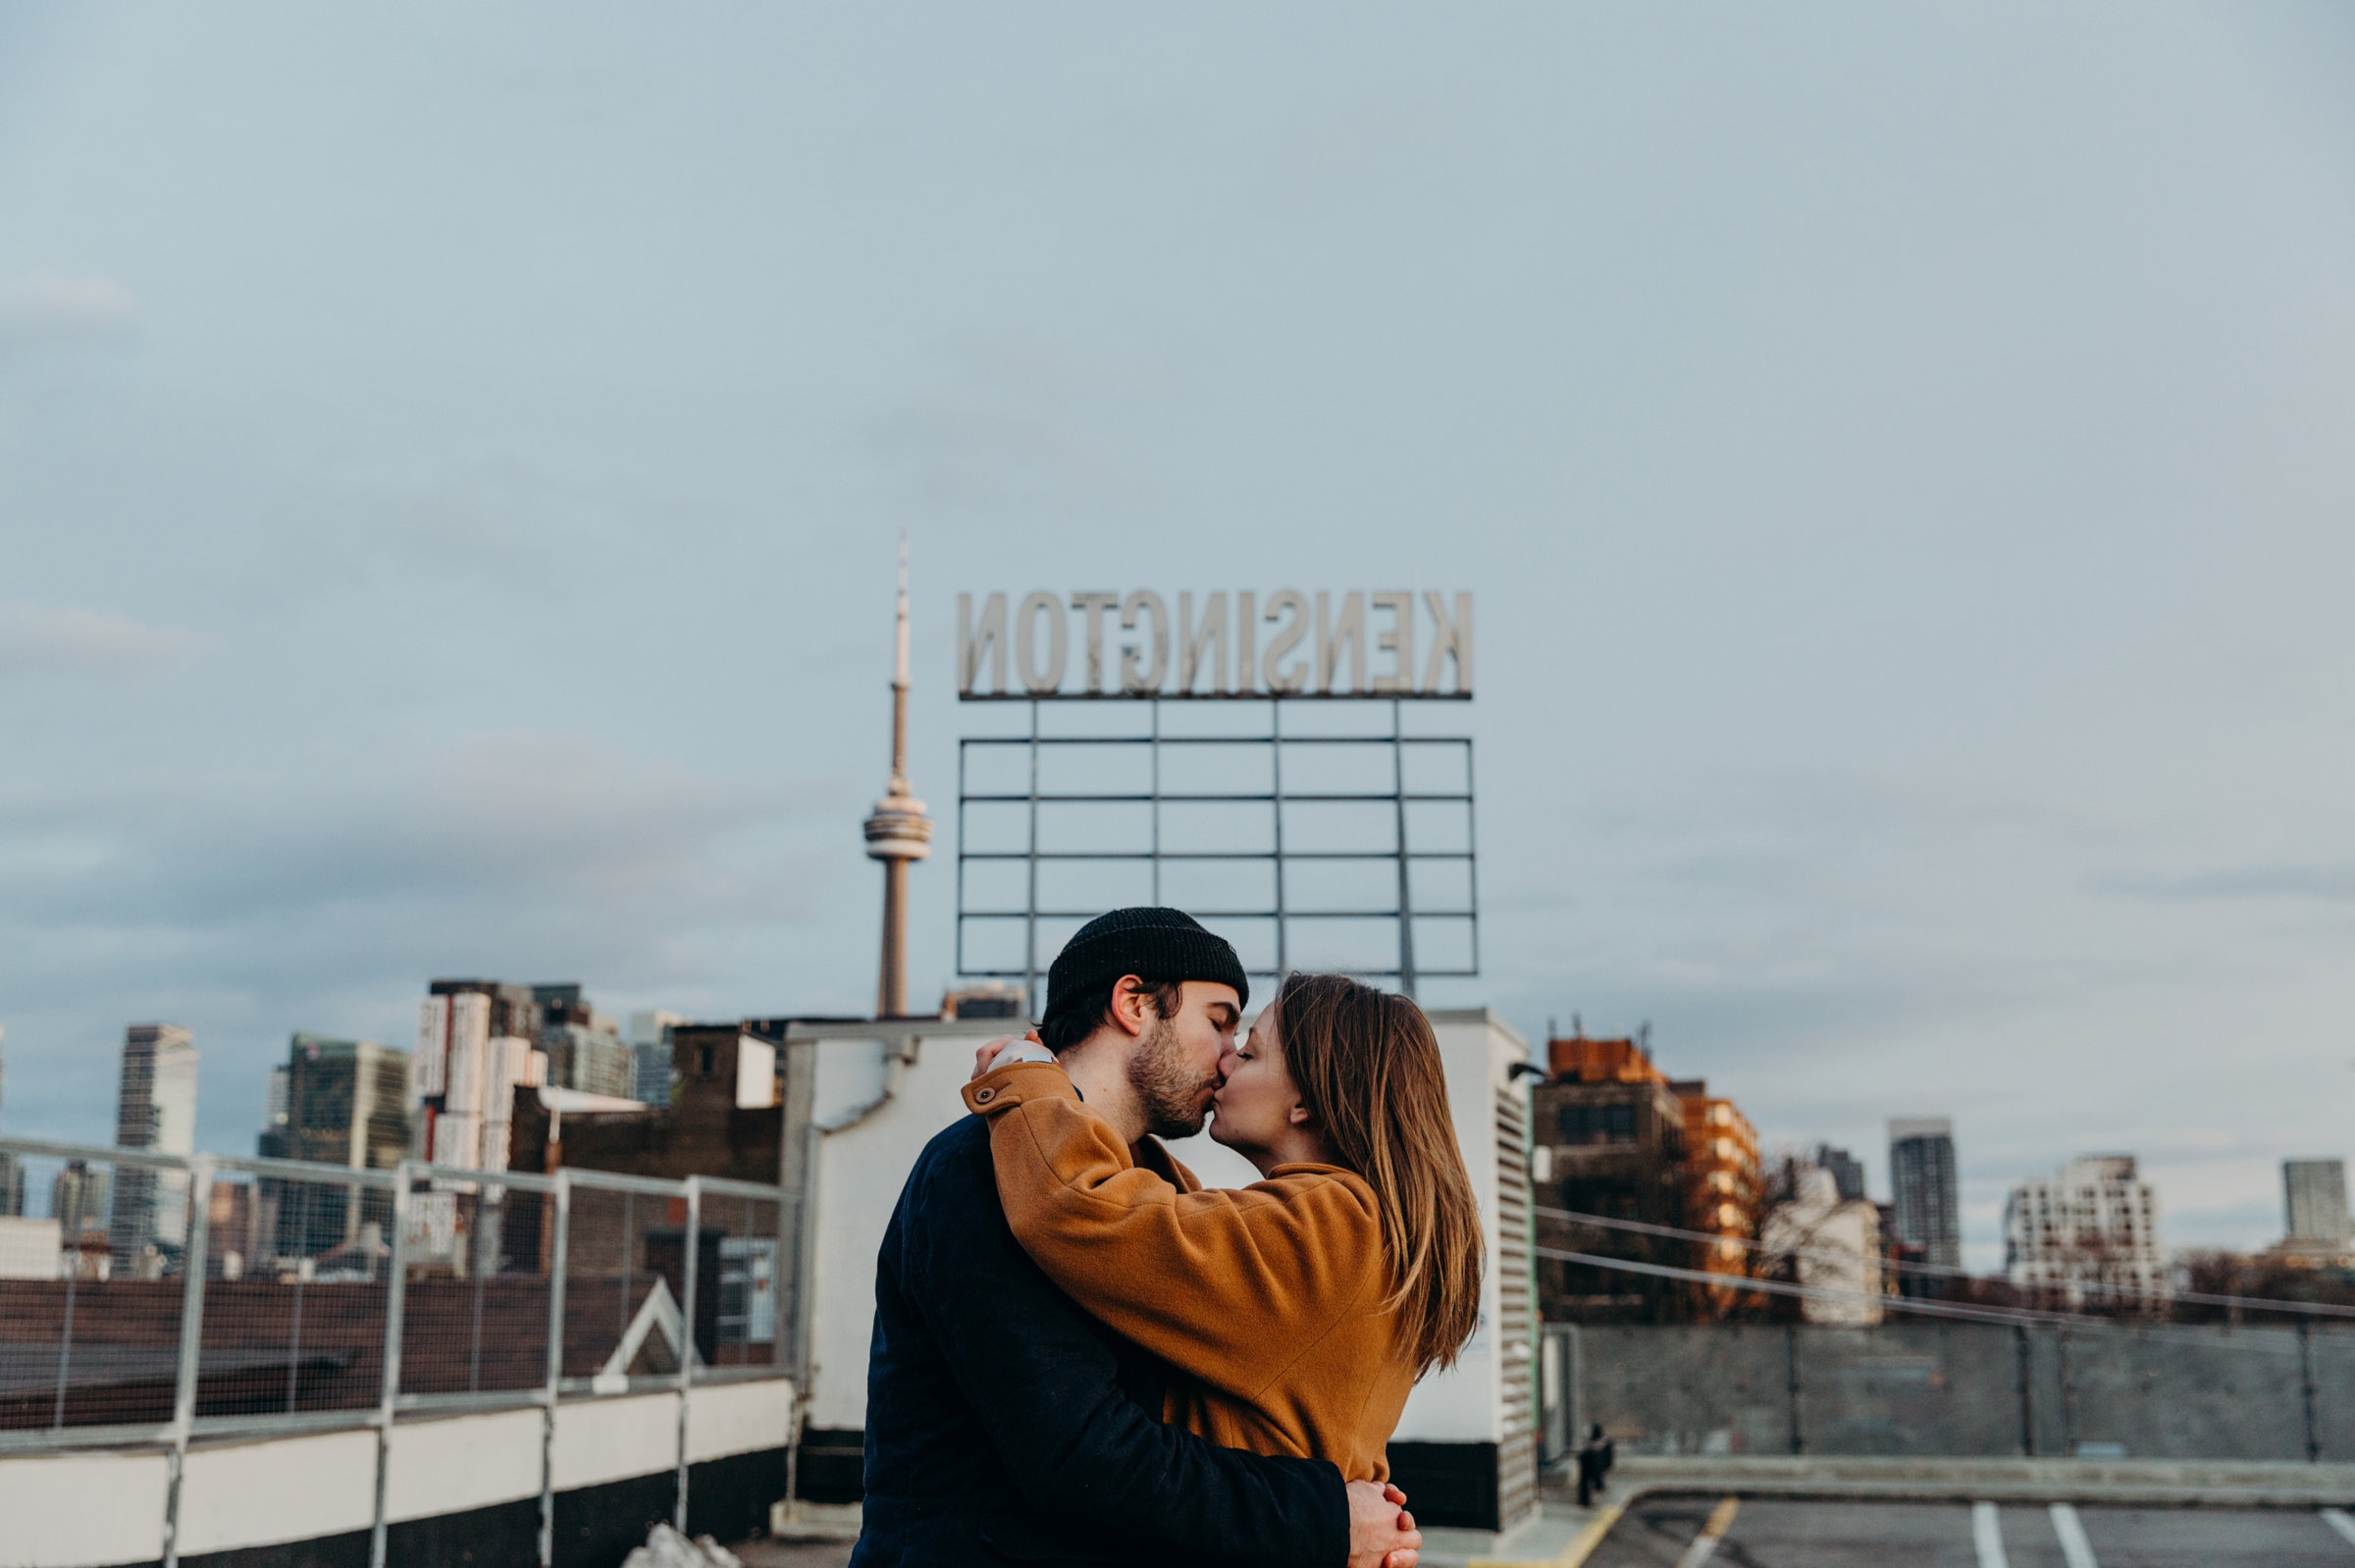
{"type": "Point", "coordinates": [1269, 1300]}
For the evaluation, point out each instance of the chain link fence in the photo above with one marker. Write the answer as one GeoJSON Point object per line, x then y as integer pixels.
{"type": "Point", "coordinates": [474, 1310]}
{"type": "Point", "coordinates": [1950, 1389]}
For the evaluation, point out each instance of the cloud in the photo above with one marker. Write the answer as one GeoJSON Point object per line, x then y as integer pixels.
{"type": "Point", "coordinates": [84, 642]}
{"type": "Point", "coordinates": [471, 835]}
{"type": "Point", "coordinates": [323, 897]}
{"type": "Point", "coordinates": [2335, 883]}
{"type": "Point", "coordinates": [47, 304]}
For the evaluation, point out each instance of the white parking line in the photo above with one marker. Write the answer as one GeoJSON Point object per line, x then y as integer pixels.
{"type": "Point", "coordinates": [2074, 1545]}
{"type": "Point", "coordinates": [1704, 1544]}
{"type": "Point", "coordinates": [1987, 1533]}
{"type": "Point", "coordinates": [2336, 1519]}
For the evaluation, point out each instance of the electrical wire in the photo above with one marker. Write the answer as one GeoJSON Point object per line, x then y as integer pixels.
{"type": "Point", "coordinates": [2276, 1340]}
{"type": "Point", "coordinates": [2318, 1309]}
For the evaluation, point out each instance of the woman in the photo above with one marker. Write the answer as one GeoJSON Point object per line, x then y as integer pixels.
{"type": "Point", "coordinates": [1302, 1309]}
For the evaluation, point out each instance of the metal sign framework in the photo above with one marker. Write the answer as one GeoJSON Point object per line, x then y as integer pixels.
{"type": "Point", "coordinates": [1407, 971]}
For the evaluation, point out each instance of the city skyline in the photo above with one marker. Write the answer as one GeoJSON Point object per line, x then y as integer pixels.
{"type": "Point", "coordinates": [1921, 1150]}
{"type": "Point", "coordinates": [1898, 475]}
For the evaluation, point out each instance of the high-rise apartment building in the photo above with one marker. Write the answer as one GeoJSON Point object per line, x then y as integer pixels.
{"type": "Point", "coordinates": [273, 1143]}
{"type": "Point", "coordinates": [583, 1047]}
{"type": "Point", "coordinates": [1923, 1191]}
{"type": "Point", "coordinates": [155, 1108]}
{"type": "Point", "coordinates": [474, 1050]}
{"type": "Point", "coordinates": [2315, 1194]}
{"type": "Point", "coordinates": [348, 1103]}
{"type": "Point", "coordinates": [650, 1043]}
{"type": "Point", "coordinates": [2094, 1232]}
{"type": "Point", "coordinates": [1722, 1179]}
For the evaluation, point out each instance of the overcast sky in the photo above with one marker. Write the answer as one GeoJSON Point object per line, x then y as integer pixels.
{"type": "Point", "coordinates": [450, 463]}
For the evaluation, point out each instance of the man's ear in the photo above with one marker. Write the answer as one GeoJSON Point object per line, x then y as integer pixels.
{"type": "Point", "coordinates": [1133, 1007]}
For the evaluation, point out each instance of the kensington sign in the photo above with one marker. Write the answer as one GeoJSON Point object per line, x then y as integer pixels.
{"type": "Point", "coordinates": [1302, 654]}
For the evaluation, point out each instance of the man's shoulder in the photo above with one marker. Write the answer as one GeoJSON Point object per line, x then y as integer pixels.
{"type": "Point", "coordinates": [955, 1169]}
{"type": "Point", "coordinates": [962, 1142]}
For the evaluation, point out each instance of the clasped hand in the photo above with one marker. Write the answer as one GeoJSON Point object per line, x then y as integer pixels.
{"type": "Point", "coordinates": [1382, 1532]}
{"type": "Point", "coordinates": [986, 1057]}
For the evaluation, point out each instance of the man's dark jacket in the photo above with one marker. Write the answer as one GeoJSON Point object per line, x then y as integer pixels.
{"type": "Point", "coordinates": [1005, 1424]}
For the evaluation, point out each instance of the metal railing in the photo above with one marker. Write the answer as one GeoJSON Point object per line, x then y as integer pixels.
{"type": "Point", "coordinates": [152, 1301]}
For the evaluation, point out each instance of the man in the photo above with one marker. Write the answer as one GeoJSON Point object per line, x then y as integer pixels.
{"type": "Point", "coordinates": [1595, 1457]}
{"type": "Point", "coordinates": [1005, 1424]}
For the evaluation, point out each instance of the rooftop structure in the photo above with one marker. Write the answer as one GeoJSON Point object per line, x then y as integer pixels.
{"type": "Point", "coordinates": [1846, 1169]}
{"type": "Point", "coordinates": [1277, 835]}
{"type": "Point", "coordinates": [984, 999]}
{"type": "Point", "coordinates": [1578, 1059]}
{"type": "Point", "coordinates": [1832, 1244]}
{"type": "Point", "coordinates": [1607, 1136]}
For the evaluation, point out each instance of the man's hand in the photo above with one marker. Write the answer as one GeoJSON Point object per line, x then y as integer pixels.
{"type": "Point", "coordinates": [1382, 1532]}
{"type": "Point", "coordinates": [988, 1057]}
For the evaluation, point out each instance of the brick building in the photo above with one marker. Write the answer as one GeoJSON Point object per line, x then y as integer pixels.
{"type": "Point", "coordinates": [1608, 1135]}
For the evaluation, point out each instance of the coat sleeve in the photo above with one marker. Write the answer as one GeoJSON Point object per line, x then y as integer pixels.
{"type": "Point", "coordinates": [1078, 1449]}
{"type": "Point", "coordinates": [1230, 1287]}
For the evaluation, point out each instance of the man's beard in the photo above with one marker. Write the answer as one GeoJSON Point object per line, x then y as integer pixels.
{"type": "Point", "coordinates": [1166, 1090]}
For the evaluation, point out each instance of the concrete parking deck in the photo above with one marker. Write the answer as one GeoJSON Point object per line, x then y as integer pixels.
{"type": "Point", "coordinates": [1858, 1496]}
{"type": "Point", "coordinates": [1667, 1530]}
{"type": "Point", "coordinates": [1835, 1511]}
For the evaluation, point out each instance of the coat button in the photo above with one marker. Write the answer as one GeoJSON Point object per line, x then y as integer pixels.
{"type": "Point", "coordinates": [984, 1096]}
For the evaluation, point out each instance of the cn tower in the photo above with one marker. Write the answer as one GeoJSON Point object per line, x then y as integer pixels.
{"type": "Point", "coordinates": [897, 831]}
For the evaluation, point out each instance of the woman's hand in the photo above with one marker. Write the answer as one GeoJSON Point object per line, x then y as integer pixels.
{"type": "Point", "coordinates": [988, 1057]}
{"type": "Point", "coordinates": [1382, 1532]}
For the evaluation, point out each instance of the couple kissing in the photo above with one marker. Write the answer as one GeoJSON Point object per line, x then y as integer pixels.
{"type": "Point", "coordinates": [1081, 1355]}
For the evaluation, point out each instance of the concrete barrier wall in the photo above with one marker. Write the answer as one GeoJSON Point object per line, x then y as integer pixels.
{"type": "Point", "coordinates": [2159, 1392]}
{"type": "Point", "coordinates": [72, 1509]}
{"type": "Point", "coordinates": [95, 1509]}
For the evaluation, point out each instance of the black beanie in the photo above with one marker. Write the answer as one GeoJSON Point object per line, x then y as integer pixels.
{"type": "Point", "coordinates": [1149, 943]}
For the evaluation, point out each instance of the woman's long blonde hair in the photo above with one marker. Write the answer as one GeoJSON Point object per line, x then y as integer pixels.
{"type": "Point", "coordinates": [1368, 1070]}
